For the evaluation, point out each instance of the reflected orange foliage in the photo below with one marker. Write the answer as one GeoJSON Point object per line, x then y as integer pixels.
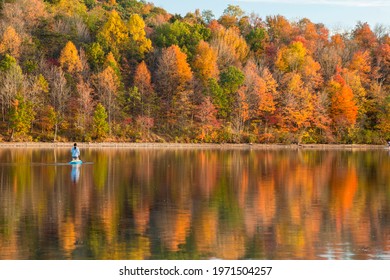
{"type": "Point", "coordinates": [68, 236]}
{"type": "Point", "coordinates": [344, 193]}
{"type": "Point", "coordinates": [141, 217]}
{"type": "Point", "coordinates": [208, 171]}
{"type": "Point", "coordinates": [206, 231]}
{"type": "Point", "coordinates": [174, 225]}
{"type": "Point", "coordinates": [208, 203]}
{"type": "Point", "coordinates": [343, 107]}
{"type": "Point", "coordinates": [107, 212]}
{"type": "Point", "coordinates": [265, 202]}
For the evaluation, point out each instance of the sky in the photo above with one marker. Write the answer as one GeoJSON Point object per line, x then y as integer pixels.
{"type": "Point", "coordinates": [335, 14]}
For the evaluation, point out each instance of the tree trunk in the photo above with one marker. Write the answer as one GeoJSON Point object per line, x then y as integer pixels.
{"type": "Point", "coordinates": [55, 132]}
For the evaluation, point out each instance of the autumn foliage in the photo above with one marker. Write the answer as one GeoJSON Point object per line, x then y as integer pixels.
{"type": "Point", "coordinates": [69, 58]}
{"type": "Point", "coordinates": [261, 80]}
{"type": "Point", "coordinates": [343, 106]}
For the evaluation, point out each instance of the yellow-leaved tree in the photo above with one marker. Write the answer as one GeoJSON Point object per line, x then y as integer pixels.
{"type": "Point", "coordinates": [205, 62]}
{"type": "Point", "coordinates": [69, 58]}
{"type": "Point", "coordinates": [114, 34]}
{"type": "Point", "coordinates": [72, 7]}
{"type": "Point", "coordinates": [296, 58]}
{"type": "Point", "coordinates": [230, 46]}
{"type": "Point", "coordinates": [138, 40]}
{"type": "Point", "coordinates": [291, 58]}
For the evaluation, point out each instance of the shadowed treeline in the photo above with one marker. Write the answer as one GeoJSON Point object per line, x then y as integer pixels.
{"type": "Point", "coordinates": [195, 204]}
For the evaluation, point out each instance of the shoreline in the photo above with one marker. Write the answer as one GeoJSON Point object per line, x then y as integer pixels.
{"type": "Point", "coordinates": [191, 145]}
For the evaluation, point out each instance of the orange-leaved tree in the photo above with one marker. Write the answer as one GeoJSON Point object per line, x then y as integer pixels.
{"type": "Point", "coordinates": [364, 36]}
{"type": "Point", "coordinates": [205, 62]}
{"type": "Point", "coordinates": [10, 42]}
{"type": "Point", "coordinates": [206, 115]}
{"type": "Point", "coordinates": [174, 75]}
{"type": "Point", "coordinates": [343, 108]}
{"type": "Point", "coordinates": [296, 104]}
{"type": "Point", "coordinates": [143, 82]}
{"type": "Point", "coordinates": [260, 94]}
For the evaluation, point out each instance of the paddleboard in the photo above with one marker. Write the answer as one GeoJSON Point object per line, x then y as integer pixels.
{"type": "Point", "coordinates": [78, 161]}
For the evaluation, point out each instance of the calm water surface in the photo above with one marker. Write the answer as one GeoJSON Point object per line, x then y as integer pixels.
{"type": "Point", "coordinates": [195, 204]}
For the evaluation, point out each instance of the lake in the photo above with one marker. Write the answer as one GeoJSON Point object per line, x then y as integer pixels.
{"type": "Point", "coordinates": [149, 203]}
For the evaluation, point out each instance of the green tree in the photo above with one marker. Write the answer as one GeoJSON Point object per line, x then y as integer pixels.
{"type": "Point", "coordinates": [21, 117]}
{"type": "Point", "coordinates": [218, 97]}
{"type": "Point", "coordinates": [231, 15]}
{"type": "Point", "coordinates": [12, 83]}
{"type": "Point", "coordinates": [207, 16]}
{"type": "Point", "coordinates": [233, 10]}
{"type": "Point", "coordinates": [95, 55]}
{"type": "Point", "coordinates": [182, 34]}
{"type": "Point", "coordinates": [257, 39]}
{"type": "Point", "coordinates": [231, 80]}
{"type": "Point", "coordinates": [100, 124]}
{"type": "Point", "coordinates": [7, 62]}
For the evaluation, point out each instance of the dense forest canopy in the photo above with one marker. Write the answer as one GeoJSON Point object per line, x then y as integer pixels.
{"type": "Point", "coordinates": [125, 70]}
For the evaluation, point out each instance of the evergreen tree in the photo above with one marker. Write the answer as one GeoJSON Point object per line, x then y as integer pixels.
{"type": "Point", "coordinates": [100, 124]}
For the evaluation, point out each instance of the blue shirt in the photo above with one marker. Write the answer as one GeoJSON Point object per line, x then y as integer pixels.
{"type": "Point", "coordinates": [75, 152]}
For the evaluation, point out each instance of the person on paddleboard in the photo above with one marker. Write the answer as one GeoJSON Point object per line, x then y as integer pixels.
{"type": "Point", "coordinates": [75, 152]}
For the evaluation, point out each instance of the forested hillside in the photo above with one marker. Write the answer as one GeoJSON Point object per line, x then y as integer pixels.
{"type": "Point", "coordinates": [125, 70]}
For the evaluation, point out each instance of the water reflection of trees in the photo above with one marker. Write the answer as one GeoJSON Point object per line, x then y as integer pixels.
{"type": "Point", "coordinates": [191, 204]}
